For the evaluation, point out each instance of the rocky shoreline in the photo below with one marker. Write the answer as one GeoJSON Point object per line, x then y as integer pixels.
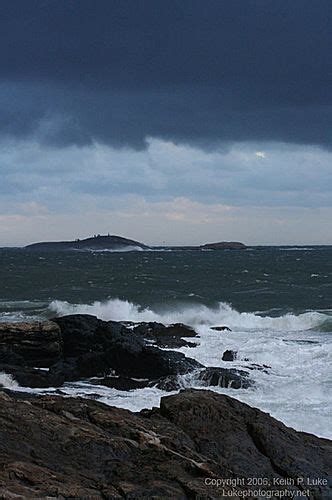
{"type": "Point", "coordinates": [122, 355]}
{"type": "Point", "coordinates": [198, 444]}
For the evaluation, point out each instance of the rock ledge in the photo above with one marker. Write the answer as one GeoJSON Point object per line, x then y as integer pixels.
{"type": "Point", "coordinates": [74, 448]}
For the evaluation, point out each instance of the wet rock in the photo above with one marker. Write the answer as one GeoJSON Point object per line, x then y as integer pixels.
{"type": "Point", "coordinates": [67, 370]}
{"type": "Point", "coordinates": [8, 356]}
{"type": "Point", "coordinates": [166, 336]}
{"type": "Point", "coordinates": [263, 368]}
{"type": "Point", "coordinates": [83, 333]}
{"type": "Point", "coordinates": [248, 441]}
{"type": "Point", "coordinates": [37, 343]}
{"type": "Point", "coordinates": [89, 347]}
{"type": "Point", "coordinates": [120, 383]}
{"type": "Point", "coordinates": [155, 363]}
{"type": "Point", "coordinates": [32, 377]}
{"type": "Point", "coordinates": [74, 448]}
{"type": "Point", "coordinates": [94, 348]}
{"type": "Point", "coordinates": [207, 377]}
{"type": "Point", "coordinates": [221, 328]}
{"type": "Point", "coordinates": [222, 377]}
{"type": "Point", "coordinates": [229, 356]}
{"type": "Point", "coordinates": [171, 383]}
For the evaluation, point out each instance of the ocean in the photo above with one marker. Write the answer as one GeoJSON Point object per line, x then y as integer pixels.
{"type": "Point", "coordinates": [276, 300]}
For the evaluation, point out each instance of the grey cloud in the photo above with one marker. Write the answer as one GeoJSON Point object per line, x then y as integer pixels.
{"type": "Point", "coordinates": [191, 71]}
{"type": "Point", "coordinates": [71, 177]}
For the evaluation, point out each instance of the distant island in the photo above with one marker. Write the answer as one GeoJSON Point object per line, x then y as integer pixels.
{"type": "Point", "coordinates": [97, 242]}
{"type": "Point", "coordinates": [118, 243]}
{"type": "Point", "coordinates": [228, 245]}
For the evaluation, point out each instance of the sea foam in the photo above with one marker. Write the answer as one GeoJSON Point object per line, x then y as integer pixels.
{"type": "Point", "coordinates": [194, 315]}
{"type": "Point", "coordinates": [7, 381]}
{"type": "Point", "coordinates": [296, 350]}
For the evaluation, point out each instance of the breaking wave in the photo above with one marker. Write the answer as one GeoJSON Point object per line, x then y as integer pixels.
{"type": "Point", "coordinates": [7, 381]}
{"type": "Point", "coordinates": [127, 248]}
{"type": "Point", "coordinates": [325, 326]}
{"type": "Point", "coordinates": [194, 315]}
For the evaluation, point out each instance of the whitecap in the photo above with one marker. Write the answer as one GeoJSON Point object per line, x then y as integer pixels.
{"type": "Point", "coordinates": [198, 314]}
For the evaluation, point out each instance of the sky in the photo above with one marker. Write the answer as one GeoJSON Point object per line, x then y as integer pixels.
{"type": "Point", "coordinates": [176, 122]}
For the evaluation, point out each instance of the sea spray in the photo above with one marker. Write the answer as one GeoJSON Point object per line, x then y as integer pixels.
{"type": "Point", "coordinates": [193, 315]}
{"type": "Point", "coordinates": [7, 381]}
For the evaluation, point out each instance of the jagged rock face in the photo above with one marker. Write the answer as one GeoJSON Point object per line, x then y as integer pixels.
{"type": "Point", "coordinates": [64, 447]}
{"type": "Point", "coordinates": [99, 346]}
{"type": "Point", "coordinates": [166, 336]}
{"type": "Point", "coordinates": [36, 343]}
{"type": "Point", "coordinates": [246, 440]}
{"type": "Point", "coordinates": [84, 346]}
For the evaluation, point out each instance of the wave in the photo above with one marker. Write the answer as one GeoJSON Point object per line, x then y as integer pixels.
{"type": "Point", "coordinates": [7, 381]}
{"type": "Point", "coordinates": [297, 249]}
{"type": "Point", "coordinates": [194, 315]}
{"type": "Point", "coordinates": [129, 248]}
{"type": "Point", "coordinates": [325, 326]}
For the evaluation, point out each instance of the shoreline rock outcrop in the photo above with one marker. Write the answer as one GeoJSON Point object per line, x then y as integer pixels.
{"type": "Point", "coordinates": [198, 444]}
{"type": "Point", "coordinates": [38, 343]}
{"type": "Point", "coordinates": [76, 347]}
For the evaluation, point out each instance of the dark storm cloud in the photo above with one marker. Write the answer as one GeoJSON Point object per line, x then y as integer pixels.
{"type": "Point", "coordinates": [117, 71]}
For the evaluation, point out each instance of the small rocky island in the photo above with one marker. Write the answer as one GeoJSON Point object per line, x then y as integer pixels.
{"type": "Point", "coordinates": [224, 245]}
{"type": "Point", "coordinates": [113, 243]}
{"type": "Point", "coordinates": [197, 444]}
{"type": "Point", "coordinates": [97, 242]}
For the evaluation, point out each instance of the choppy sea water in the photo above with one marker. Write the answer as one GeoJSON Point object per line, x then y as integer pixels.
{"type": "Point", "coordinates": [276, 300]}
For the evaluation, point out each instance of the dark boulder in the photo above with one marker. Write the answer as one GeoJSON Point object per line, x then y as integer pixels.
{"type": "Point", "coordinates": [165, 336]}
{"type": "Point", "coordinates": [229, 356]}
{"type": "Point", "coordinates": [207, 377]}
{"type": "Point", "coordinates": [32, 377]}
{"type": "Point", "coordinates": [78, 333]}
{"type": "Point", "coordinates": [120, 383]}
{"type": "Point", "coordinates": [221, 328]}
{"type": "Point", "coordinates": [82, 333]}
{"type": "Point", "coordinates": [222, 377]}
{"type": "Point", "coordinates": [67, 370]}
{"type": "Point", "coordinates": [151, 363]}
{"type": "Point", "coordinates": [94, 348]}
{"type": "Point", "coordinates": [8, 356]}
{"type": "Point", "coordinates": [171, 383]}
{"type": "Point", "coordinates": [36, 343]}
